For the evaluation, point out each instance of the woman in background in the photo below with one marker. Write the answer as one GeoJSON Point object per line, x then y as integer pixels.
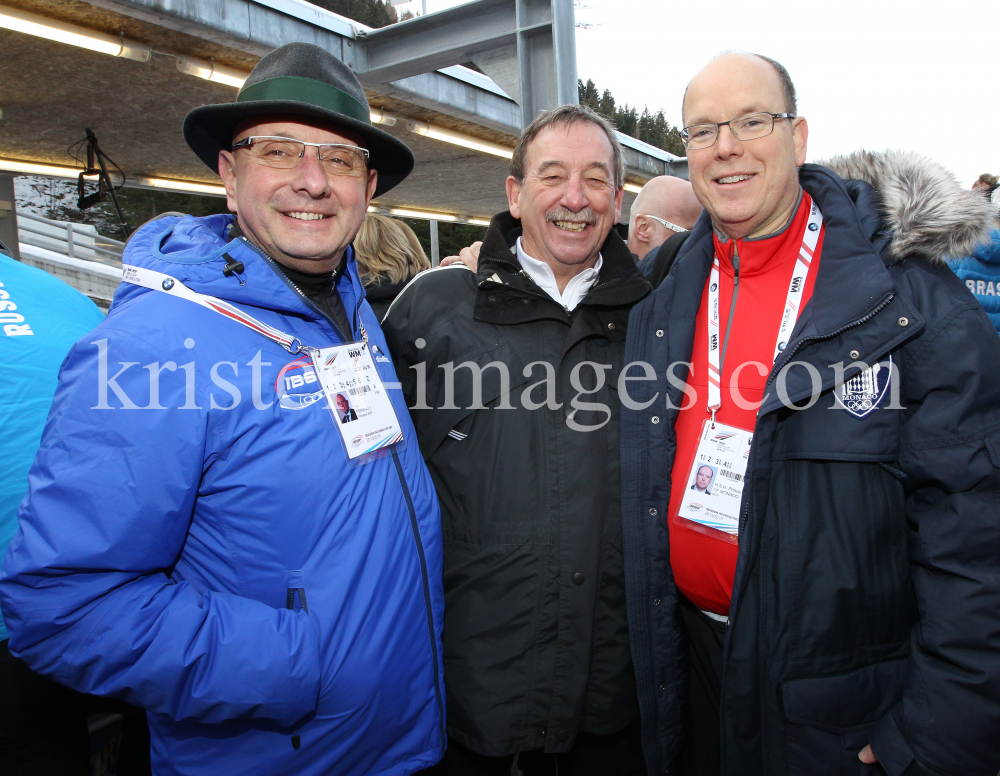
{"type": "Point", "coordinates": [389, 256]}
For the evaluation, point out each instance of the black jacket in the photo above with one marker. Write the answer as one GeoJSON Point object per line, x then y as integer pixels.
{"type": "Point", "coordinates": [866, 604]}
{"type": "Point", "coordinates": [381, 295]}
{"type": "Point", "coordinates": [536, 638]}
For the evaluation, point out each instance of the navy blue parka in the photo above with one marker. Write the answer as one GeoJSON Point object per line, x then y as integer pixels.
{"type": "Point", "coordinates": [866, 602]}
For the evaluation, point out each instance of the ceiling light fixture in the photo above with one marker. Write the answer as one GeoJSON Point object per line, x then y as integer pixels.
{"type": "Point", "coordinates": [184, 187]}
{"type": "Point", "coordinates": [102, 42]}
{"type": "Point", "coordinates": [424, 214]}
{"type": "Point", "coordinates": [459, 139]}
{"type": "Point", "coordinates": [379, 116]}
{"type": "Point", "coordinates": [34, 168]}
{"type": "Point", "coordinates": [210, 71]}
{"type": "Point", "coordinates": [633, 188]}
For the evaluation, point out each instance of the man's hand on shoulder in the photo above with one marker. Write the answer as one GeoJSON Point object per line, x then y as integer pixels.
{"type": "Point", "coordinates": [467, 256]}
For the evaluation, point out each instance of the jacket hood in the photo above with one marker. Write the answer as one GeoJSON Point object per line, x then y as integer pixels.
{"type": "Point", "coordinates": [928, 212]}
{"type": "Point", "coordinates": [195, 251]}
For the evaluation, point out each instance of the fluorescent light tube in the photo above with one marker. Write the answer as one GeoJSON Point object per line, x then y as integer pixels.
{"type": "Point", "coordinates": [459, 139]}
{"type": "Point", "coordinates": [210, 71]}
{"type": "Point", "coordinates": [186, 187]}
{"type": "Point", "coordinates": [102, 42]}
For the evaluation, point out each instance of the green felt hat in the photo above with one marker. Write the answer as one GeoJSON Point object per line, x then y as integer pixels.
{"type": "Point", "coordinates": [300, 79]}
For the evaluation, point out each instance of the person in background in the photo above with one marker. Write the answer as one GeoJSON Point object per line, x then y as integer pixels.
{"type": "Point", "coordinates": [981, 269]}
{"type": "Point", "coordinates": [389, 256]}
{"type": "Point", "coordinates": [988, 185]}
{"type": "Point", "coordinates": [43, 725]}
{"type": "Point", "coordinates": [666, 206]}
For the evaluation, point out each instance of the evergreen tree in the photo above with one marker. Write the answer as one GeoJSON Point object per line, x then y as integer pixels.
{"type": "Point", "coordinates": [371, 13]}
{"type": "Point", "coordinates": [652, 128]}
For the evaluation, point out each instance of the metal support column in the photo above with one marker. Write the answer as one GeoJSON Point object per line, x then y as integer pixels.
{"type": "Point", "coordinates": [8, 215]}
{"type": "Point", "coordinates": [435, 245]}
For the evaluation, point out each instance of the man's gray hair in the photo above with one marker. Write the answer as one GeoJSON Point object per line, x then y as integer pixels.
{"type": "Point", "coordinates": [567, 115]}
{"type": "Point", "coordinates": [787, 87]}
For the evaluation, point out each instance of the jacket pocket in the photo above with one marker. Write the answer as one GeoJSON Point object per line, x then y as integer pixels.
{"type": "Point", "coordinates": [828, 719]}
{"type": "Point", "coordinates": [837, 535]}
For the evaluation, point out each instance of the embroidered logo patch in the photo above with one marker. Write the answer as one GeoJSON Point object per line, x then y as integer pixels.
{"type": "Point", "coordinates": [864, 392]}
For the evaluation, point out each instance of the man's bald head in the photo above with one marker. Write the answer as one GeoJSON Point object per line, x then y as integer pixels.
{"type": "Point", "coordinates": [666, 197]}
{"type": "Point", "coordinates": [784, 81]}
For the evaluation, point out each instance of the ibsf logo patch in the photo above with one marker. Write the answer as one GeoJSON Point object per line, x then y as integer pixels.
{"type": "Point", "coordinates": [696, 507]}
{"type": "Point", "coordinates": [297, 385]}
{"type": "Point", "coordinates": [356, 441]}
{"type": "Point", "coordinates": [864, 392]}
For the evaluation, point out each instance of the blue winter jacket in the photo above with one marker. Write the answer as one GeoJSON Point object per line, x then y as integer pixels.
{"type": "Point", "coordinates": [40, 319]}
{"type": "Point", "coordinates": [981, 273]}
{"type": "Point", "coordinates": [194, 543]}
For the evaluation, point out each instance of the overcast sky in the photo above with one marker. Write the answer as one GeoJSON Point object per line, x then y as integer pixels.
{"type": "Point", "coordinates": [876, 74]}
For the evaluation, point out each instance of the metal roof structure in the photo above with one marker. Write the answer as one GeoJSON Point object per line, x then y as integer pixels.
{"type": "Point", "coordinates": [458, 122]}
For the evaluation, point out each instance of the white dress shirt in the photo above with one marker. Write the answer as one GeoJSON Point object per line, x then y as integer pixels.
{"type": "Point", "coordinates": [543, 276]}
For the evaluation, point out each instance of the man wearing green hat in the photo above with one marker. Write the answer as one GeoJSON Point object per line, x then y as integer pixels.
{"type": "Point", "coordinates": [264, 580]}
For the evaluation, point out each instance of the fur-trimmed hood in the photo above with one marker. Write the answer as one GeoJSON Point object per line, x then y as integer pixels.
{"type": "Point", "coordinates": [929, 213]}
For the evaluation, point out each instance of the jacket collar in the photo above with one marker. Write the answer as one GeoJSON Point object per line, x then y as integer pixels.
{"type": "Point", "coordinates": [620, 283]}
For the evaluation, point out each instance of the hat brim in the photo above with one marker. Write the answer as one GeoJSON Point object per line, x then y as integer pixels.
{"type": "Point", "coordinates": [209, 129]}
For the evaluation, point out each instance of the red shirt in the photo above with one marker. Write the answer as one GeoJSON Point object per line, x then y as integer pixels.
{"type": "Point", "coordinates": [704, 560]}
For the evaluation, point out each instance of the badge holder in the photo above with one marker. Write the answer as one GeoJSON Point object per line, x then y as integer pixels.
{"type": "Point", "coordinates": [359, 403]}
{"type": "Point", "coordinates": [713, 490]}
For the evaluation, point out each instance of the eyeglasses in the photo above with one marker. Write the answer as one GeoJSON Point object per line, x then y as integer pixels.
{"type": "Point", "coordinates": [285, 153]}
{"type": "Point", "coordinates": [664, 222]}
{"type": "Point", "coordinates": [749, 127]}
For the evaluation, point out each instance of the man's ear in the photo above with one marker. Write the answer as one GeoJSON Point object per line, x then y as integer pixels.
{"type": "Point", "coordinates": [227, 171]}
{"type": "Point", "coordinates": [800, 136]}
{"type": "Point", "coordinates": [641, 228]}
{"type": "Point", "coordinates": [513, 193]}
{"type": "Point", "coordinates": [619, 195]}
{"type": "Point", "coordinates": [372, 185]}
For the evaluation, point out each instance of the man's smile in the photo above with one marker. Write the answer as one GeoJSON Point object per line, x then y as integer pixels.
{"type": "Point", "coordinates": [571, 226]}
{"type": "Point", "coordinates": [305, 216]}
{"type": "Point", "coordinates": [731, 179]}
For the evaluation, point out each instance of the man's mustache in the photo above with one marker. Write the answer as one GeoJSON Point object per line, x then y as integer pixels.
{"type": "Point", "coordinates": [585, 216]}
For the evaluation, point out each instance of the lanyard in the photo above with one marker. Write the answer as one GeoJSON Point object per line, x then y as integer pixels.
{"type": "Point", "coordinates": [157, 281]}
{"type": "Point", "coordinates": [788, 318]}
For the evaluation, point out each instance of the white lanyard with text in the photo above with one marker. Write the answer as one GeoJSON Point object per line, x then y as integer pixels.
{"type": "Point", "coordinates": [788, 317]}
{"type": "Point", "coordinates": [157, 281]}
{"type": "Point", "coordinates": [355, 393]}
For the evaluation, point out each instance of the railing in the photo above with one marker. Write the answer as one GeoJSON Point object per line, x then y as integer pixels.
{"type": "Point", "coordinates": [78, 241]}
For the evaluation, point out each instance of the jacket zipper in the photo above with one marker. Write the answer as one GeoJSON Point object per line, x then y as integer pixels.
{"type": "Point", "coordinates": [732, 305]}
{"type": "Point", "coordinates": [309, 303]}
{"type": "Point", "coordinates": [788, 357]}
{"type": "Point", "coordinates": [864, 319]}
{"type": "Point", "coordinates": [744, 523]}
{"type": "Point", "coordinates": [427, 590]}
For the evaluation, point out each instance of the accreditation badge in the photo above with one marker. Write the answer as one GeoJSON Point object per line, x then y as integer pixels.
{"type": "Point", "coordinates": [358, 400]}
{"type": "Point", "coordinates": [714, 487]}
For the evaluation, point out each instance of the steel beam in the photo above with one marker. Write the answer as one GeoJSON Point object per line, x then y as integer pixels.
{"type": "Point", "coordinates": [528, 48]}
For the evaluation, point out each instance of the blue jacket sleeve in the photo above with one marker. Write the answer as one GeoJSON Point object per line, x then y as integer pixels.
{"type": "Point", "coordinates": [949, 715]}
{"type": "Point", "coordinates": [85, 587]}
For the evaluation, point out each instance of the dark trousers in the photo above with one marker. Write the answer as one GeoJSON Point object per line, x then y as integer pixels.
{"type": "Point", "coordinates": [619, 754]}
{"type": "Point", "coordinates": [702, 741]}
{"type": "Point", "coordinates": [43, 726]}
